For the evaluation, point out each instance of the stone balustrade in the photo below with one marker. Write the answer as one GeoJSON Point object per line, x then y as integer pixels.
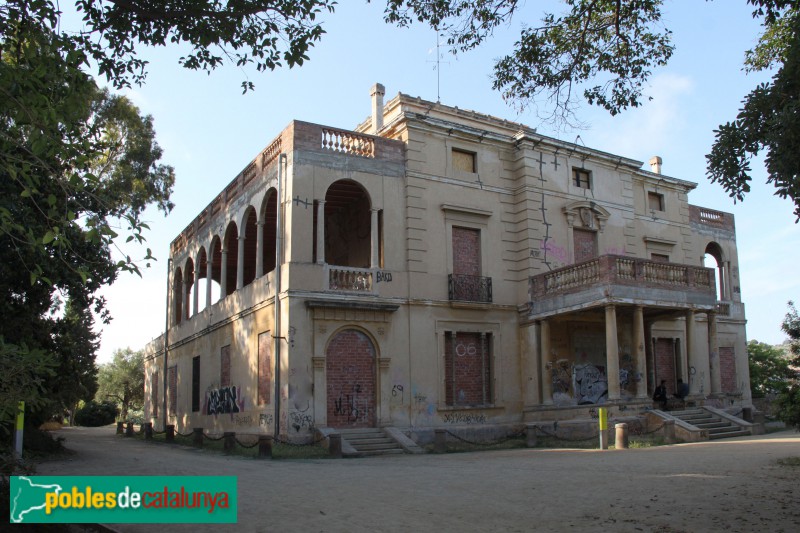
{"type": "Point", "coordinates": [611, 269]}
{"type": "Point", "coordinates": [342, 278]}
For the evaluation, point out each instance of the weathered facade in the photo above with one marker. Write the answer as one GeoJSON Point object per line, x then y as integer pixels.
{"type": "Point", "coordinates": [440, 267]}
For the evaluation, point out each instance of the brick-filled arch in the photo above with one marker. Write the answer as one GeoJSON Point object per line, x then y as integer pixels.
{"type": "Point", "coordinates": [351, 389]}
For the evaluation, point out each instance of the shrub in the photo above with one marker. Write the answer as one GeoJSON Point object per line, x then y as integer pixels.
{"type": "Point", "coordinates": [95, 414]}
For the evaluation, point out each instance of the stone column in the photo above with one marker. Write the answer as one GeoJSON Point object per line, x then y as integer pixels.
{"type": "Point", "coordinates": [187, 303]}
{"type": "Point", "coordinates": [384, 417]}
{"type": "Point", "coordinates": [320, 392]}
{"type": "Point", "coordinates": [374, 261]}
{"type": "Point", "coordinates": [209, 260]}
{"type": "Point", "coordinates": [260, 249]}
{"type": "Point", "coordinates": [612, 353]}
{"type": "Point", "coordinates": [691, 355]}
{"type": "Point", "coordinates": [713, 354]}
{"type": "Point", "coordinates": [529, 355]}
{"type": "Point", "coordinates": [547, 380]}
{"type": "Point", "coordinates": [223, 276]}
{"type": "Point", "coordinates": [483, 367]}
{"type": "Point", "coordinates": [638, 347]}
{"type": "Point", "coordinates": [321, 232]}
{"type": "Point", "coordinates": [195, 295]}
{"type": "Point", "coordinates": [240, 263]}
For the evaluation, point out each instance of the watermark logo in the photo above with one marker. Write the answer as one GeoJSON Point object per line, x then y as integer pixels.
{"type": "Point", "coordinates": [123, 499]}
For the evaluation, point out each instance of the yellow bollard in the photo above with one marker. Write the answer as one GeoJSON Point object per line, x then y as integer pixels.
{"type": "Point", "coordinates": [18, 429]}
{"type": "Point", "coordinates": [603, 424]}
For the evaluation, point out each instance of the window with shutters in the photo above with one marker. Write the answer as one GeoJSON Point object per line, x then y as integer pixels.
{"type": "Point", "coordinates": [195, 384]}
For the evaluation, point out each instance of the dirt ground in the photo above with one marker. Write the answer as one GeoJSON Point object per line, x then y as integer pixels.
{"type": "Point", "coordinates": [734, 485]}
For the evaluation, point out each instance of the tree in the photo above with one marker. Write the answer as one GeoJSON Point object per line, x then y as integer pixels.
{"type": "Point", "coordinates": [610, 48]}
{"type": "Point", "coordinates": [122, 381]}
{"type": "Point", "coordinates": [74, 161]}
{"type": "Point", "coordinates": [789, 400]}
{"type": "Point", "coordinates": [769, 369]}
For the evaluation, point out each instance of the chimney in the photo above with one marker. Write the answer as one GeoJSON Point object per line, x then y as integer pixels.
{"type": "Point", "coordinates": [655, 164]}
{"type": "Point", "coordinates": [377, 93]}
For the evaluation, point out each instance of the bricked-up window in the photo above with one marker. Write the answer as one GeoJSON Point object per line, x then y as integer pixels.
{"type": "Point", "coordinates": [727, 367]}
{"type": "Point", "coordinates": [582, 178]}
{"type": "Point", "coordinates": [195, 384]}
{"type": "Point", "coordinates": [154, 395]}
{"type": "Point", "coordinates": [463, 160]}
{"type": "Point", "coordinates": [172, 397]}
{"type": "Point", "coordinates": [468, 368]}
{"type": "Point", "coordinates": [655, 201]}
{"type": "Point", "coordinates": [659, 258]}
{"type": "Point", "coordinates": [466, 251]}
{"type": "Point", "coordinates": [264, 367]}
{"type": "Point", "coordinates": [225, 366]}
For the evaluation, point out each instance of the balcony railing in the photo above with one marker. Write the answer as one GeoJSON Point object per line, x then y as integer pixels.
{"type": "Point", "coordinates": [350, 279]}
{"type": "Point", "coordinates": [611, 269]}
{"type": "Point", "coordinates": [461, 287]}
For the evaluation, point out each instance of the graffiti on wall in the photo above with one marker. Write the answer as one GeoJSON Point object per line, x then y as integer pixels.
{"type": "Point", "coordinates": [591, 384]}
{"type": "Point", "coordinates": [555, 251]}
{"type": "Point", "coordinates": [351, 405]}
{"type": "Point", "coordinates": [224, 400]}
{"type": "Point", "coordinates": [265, 420]}
{"type": "Point", "coordinates": [301, 418]}
{"type": "Point", "coordinates": [464, 418]}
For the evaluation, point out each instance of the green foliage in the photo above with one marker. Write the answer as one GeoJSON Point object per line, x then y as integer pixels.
{"type": "Point", "coordinates": [122, 381]}
{"type": "Point", "coordinates": [264, 33]}
{"type": "Point", "coordinates": [789, 400]}
{"type": "Point", "coordinates": [94, 414]}
{"type": "Point", "coordinates": [75, 163]}
{"type": "Point", "coordinates": [23, 378]}
{"type": "Point", "coordinates": [769, 369]}
{"type": "Point", "coordinates": [613, 44]}
{"type": "Point", "coordinates": [769, 121]}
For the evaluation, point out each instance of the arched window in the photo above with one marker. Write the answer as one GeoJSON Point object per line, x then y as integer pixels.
{"type": "Point", "coordinates": [216, 268]}
{"type": "Point", "coordinates": [250, 232]}
{"type": "Point", "coordinates": [347, 225]}
{"type": "Point", "coordinates": [269, 214]}
{"type": "Point", "coordinates": [202, 267]}
{"type": "Point", "coordinates": [177, 295]}
{"type": "Point", "coordinates": [232, 248]}
{"type": "Point", "coordinates": [713, 259]}
{"type": "Point", "coordinates": [188, 288]}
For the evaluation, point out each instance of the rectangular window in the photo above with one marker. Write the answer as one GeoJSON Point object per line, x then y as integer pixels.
{"type": "Point", "coordinates": [172, 378]}
{"type": "Point", "coordinates": [582, 178]}
{"type": "Point", "coordinates": [154, 395]}
{"type": "Point", "coordinates": [225, 366]}
{"type": "Point", "coordinates": [264, 367]}
{"type": "Point", "coordinates": [463, 160]}
{"type": "Point", "coordinates": [468, 364]}
{"type": "Point", "coordinates": [195, 384]}
{"type": "Point", "coordinates": [655, 201]}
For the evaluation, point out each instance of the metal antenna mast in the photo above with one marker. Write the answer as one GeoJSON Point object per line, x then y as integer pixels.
{"type": "Point", "coordinates": [438, 66]}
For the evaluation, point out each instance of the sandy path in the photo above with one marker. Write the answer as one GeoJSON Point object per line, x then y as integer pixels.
{"type": "Point", "coordinates": [734, 485]}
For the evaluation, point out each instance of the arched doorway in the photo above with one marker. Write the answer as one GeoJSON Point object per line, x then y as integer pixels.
{"type": "Point", "coordinates": [350, 373]}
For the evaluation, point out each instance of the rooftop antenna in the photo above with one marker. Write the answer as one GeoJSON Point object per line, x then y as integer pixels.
{"type": "Point", "coordinates": [437, 67]}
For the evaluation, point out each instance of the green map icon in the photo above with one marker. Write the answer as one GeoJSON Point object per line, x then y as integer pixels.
{"type": "Point", "coordinates": [28, 499]}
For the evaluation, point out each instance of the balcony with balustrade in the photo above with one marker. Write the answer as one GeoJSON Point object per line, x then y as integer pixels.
{"type": "Point", "coordinates": [465, 288]}
{"type": "Point", "coordinates": [622, 280]}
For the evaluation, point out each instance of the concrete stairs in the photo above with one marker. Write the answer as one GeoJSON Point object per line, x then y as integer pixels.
{"type": "Point", "coordinates": [370, 441]}
{"type": "Point", "coordinates": [717, 426]}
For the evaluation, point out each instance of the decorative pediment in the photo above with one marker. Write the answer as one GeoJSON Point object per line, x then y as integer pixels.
{"type": "Point", "coordinates": [586, 214]}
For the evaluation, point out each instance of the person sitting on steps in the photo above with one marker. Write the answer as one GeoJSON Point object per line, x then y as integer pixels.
{"type": "Point", "coordinates": [682, 392]}
{"type": "Point", "coordinates": [660, 394]}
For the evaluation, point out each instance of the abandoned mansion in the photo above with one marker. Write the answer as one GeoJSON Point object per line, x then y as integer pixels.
{"type": "Point", "coordinates": [437, 267]}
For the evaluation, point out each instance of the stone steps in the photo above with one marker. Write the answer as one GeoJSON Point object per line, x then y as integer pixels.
{"type": "Point", "coordinates": [371, 441]}
{"type": "Point", "coordinates": [718, 428]}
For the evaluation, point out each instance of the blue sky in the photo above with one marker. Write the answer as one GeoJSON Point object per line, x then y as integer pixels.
{"type": "Point", "coordinates": [209, 132]}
